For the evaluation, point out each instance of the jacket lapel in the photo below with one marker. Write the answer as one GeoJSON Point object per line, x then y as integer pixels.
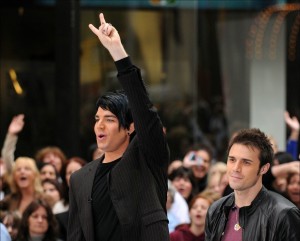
{"type": "Point", "coordinates": [87, 183]}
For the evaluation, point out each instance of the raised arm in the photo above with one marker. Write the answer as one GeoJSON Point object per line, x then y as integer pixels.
{"type": "Point", "coordinates": [110, 38]}
{"type": "Point", "coordinates": [10, 142]}
{"type": "Point", "coordinates": [294, 126]}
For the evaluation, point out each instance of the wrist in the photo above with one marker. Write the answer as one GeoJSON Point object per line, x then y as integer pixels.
{"type": "Point", "coordinates": [118, 52]}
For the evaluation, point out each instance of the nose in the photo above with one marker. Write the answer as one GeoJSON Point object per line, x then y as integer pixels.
{"type": "Point", "coordinates": [99, 124]}
{"type": "Point", "coordinates": [237, 166]}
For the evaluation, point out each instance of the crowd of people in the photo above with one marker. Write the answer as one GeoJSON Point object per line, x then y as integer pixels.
{"type": "Point", "coordinates": [34, 190]}
{"type": "Point", "coordinates": [40, 193]}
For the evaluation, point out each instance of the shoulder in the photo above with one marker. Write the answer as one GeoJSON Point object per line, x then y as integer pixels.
{"type": "Point", "coordinates": [279, 202]}
{"type": "Point", "coordinates": [275, 206]}
{"type": "Point", "coordinates": [87, 167]}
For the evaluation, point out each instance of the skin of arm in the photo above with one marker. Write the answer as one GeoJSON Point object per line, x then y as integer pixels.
{"type": "Point", "coordinates": [293, 124]}
{"type": "Point", "coordinates": [286, 168]}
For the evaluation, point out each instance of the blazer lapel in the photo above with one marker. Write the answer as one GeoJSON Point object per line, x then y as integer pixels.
{"type": "Point", "coordinates": [87, 183]}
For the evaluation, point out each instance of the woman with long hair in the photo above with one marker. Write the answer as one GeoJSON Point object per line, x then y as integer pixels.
{"type": "Point", "coordinates": [25, 186]}
{"type": "Point", "coordinates": [38, 223]}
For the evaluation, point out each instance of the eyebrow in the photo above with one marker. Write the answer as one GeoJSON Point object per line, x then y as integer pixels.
{"type": "Point", "coordinates": [106, 116]}
{"type": "Point", "coordinates": [244, 159]}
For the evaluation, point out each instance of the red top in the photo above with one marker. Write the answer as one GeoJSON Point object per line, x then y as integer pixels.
{"type": "Point", "coordinates": [183, 233]}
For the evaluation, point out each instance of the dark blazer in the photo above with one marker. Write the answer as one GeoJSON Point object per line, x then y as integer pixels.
{"type": "Point", "coordinates": [138, 183]}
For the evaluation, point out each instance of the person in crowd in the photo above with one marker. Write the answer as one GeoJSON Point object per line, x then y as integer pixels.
{"type": "Point", "coordinates": [25, 185]}
{"type": "Point", "coordinates": [8, 152]}
{"type": "Point", "coordinates": [199, 159]}
{"type": "Point", "coordinates": [184, 181]}
{"type": "Point", "coordinates": [194, 231]}
{"type": "Point", "coordinates": [38, 223]}
{"type": "Point", "coordinates": [55, 156]}
{"type": "Point", "coordinates": [11, 220]}
{"type": "Point", "coordinates": [280, 182]}
{"type": "Point", "coordinates": [174, 165]}
{"type": "Point", "coordinates": [123, 195]}
{"type": "Point", "coordinates": [3, 180]}
{"type": "Point", "coordinates": [293, 139]}
{"type": "Point", "coordinates": [293, 188]}
{"type": "Point", "coordinates": [74, 164]}
{"type": "Point", "coordinates": [275, 180]}
{"type": "Point", "coordinates": [47, 171]}
{"type": "Point", "coordinates": [52, 188]}
{"type": "Point", "coordinates": [94, 152]}
{"type": "Point", "coordinates": [177, 208]}
{"type": "Point", "coordinates": [217, 179]}
{"type": "Point", "coordinates": [251, 212]}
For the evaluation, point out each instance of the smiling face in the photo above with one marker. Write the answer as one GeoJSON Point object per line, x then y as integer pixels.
{"type": "Point", "coordinates": [24, 173]}
{"type": "Point", "coordinates": [37, 222]}
{"type": "Point", "coordinates": [110, 136]}
{"type": "Point", "coordinates": [243, 169]}
{"type": "Point", "coordinates": [201, 170]}
{"type": "Point", "coordinates": [198, 211]}
{"type": "Point", "coordinates": [293, 189]}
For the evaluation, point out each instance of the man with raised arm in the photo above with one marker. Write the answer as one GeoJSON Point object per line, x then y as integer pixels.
{"type": "Point", "coordinates": [122, 195]}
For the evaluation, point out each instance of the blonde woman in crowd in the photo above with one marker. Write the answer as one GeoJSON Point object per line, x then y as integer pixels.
{"type": "Point", "coordinates": [217, 180]}
{"type": "Point", "coordinates": [25, 186]}
{"type": "Point", "coordinates": [8, 152]}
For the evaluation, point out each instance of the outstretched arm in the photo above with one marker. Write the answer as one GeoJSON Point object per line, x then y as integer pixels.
{"type": "Point", "coordinates": [110, 38]}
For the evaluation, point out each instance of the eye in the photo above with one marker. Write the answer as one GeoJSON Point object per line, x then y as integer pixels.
{"type": "Point", "coordinates": [110, 120]}
{"type": "Point", "coordinates": [247, 162]}
{"type": "Point", "coordinates": [230, 159]}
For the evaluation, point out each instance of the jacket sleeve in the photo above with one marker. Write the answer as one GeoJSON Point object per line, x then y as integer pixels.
{"type": "Point", "coordinates": [147, 123]}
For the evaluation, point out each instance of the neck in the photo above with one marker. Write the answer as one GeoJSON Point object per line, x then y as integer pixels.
{"type": "Point", "coordinates": [197, 229]}
{"type": "Point", "coordinates": [27, 192]}
{"type": "Point", "coordinates": [245, 197]}
{"type": "Point", "coordinates": [110, 156]}
{"type": "Point", "coordinates": [36, 237]}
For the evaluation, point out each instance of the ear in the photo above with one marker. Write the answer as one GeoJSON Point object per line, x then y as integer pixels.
{"type": "Point", "coordinates": [264, 168]}
{"type": "Point", "coordinates": [131, 128]}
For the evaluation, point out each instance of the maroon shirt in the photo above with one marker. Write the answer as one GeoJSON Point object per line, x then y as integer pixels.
{"type": "Point", "coordinates": [183, 233]}
{"type": "Point", "coordinates": [230, 233]}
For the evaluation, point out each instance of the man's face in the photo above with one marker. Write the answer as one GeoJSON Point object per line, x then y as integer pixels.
{"type": "Point", "coordinates": [243, 167]}
{"type": "Point", "coordinates": [110, 137]}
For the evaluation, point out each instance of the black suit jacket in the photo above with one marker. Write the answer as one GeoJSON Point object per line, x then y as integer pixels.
{"type": "Point", "coordinates": [138, 183]}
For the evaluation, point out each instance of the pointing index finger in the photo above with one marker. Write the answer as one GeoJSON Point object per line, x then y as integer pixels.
{"type": "Point", "coordinates": [102, 19]}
